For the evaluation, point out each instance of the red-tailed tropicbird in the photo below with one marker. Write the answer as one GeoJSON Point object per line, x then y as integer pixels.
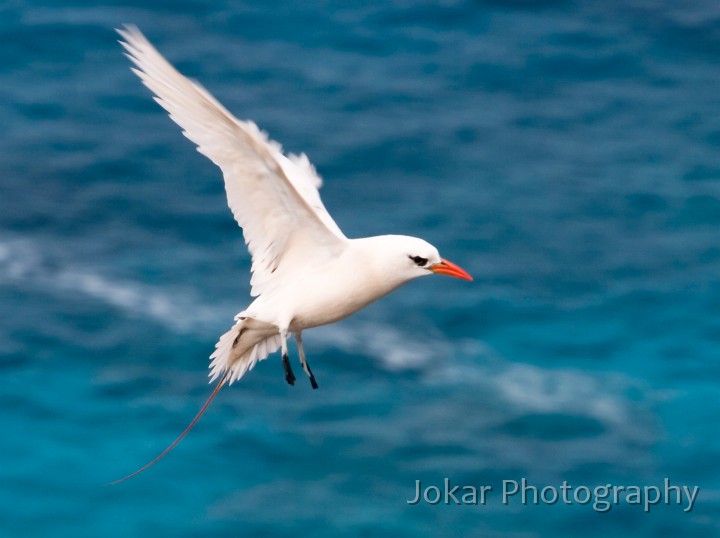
{"type": "Point", "coordinates": [305, 272]}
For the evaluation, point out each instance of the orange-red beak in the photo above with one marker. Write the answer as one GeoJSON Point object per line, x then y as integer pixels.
{"type": "Point", "coordinates": [449, 268]}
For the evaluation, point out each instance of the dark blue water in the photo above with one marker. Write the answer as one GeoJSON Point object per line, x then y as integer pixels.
{"type": "Point", "coordinates": [565, 153]}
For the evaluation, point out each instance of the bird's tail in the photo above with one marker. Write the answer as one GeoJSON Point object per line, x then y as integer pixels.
{"type": "Point", "coordinates": [236, 352]}
{"type": "Point", "coordinates": [239, 349]}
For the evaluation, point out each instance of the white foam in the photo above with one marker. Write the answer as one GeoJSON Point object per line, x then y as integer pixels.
{"type": "Point", "coordinates": [545, 390]}
{"type": "Point", "coordinates": [18, 259]}
{"type": "Point", "coordinates": [394, 349]}
{"type": "Point", "coordinates": [21, 261]}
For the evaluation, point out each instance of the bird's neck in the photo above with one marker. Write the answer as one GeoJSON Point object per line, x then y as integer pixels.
{"type": "Point", "coordinates": [377, 259]}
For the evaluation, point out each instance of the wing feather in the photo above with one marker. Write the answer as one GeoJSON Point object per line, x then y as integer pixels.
{"type": "Point", "coordinates": [274, 198]}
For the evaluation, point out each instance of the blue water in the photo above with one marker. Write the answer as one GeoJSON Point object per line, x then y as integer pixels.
{"type": "Point", "coordinates": [565, 153]}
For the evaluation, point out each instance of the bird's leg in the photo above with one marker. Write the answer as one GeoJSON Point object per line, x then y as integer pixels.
{"type": "Point", "coordinates": [303, 361]}
{"type": "Point", "coordinates": [289, 376]}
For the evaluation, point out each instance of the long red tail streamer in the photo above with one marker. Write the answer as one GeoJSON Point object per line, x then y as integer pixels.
{"type": "Point", "coordinates": [181, 436]}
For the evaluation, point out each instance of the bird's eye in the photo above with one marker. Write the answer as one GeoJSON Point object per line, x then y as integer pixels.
{"type": "Point", "coordinates": [418, 260]}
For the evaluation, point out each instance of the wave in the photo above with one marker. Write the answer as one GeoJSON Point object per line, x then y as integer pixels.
{"type": "Point", "coordinates": [520, 387]}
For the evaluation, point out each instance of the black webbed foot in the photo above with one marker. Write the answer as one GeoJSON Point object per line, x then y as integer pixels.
{"type": "Point", "coordinates": [289, 375]}
{"type": "Point", "coordinates": [311, 376]}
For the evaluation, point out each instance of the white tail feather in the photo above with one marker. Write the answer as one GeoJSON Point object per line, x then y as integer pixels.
{"type": "Point", "coordinates": [239, 349]}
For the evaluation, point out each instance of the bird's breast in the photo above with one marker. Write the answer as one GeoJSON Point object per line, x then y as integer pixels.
{"type": "Point", "coordinates": [321, 300]}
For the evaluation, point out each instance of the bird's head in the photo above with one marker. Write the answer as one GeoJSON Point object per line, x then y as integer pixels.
{"type": "Point", "coordinates": [411, 257]}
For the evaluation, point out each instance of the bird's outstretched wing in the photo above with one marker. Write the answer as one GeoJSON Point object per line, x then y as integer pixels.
{"type": "Point", "coordinates": [273, 198]}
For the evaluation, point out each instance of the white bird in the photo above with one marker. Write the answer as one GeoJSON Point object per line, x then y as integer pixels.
{"type": "Point", "coordinates": [305, 272]}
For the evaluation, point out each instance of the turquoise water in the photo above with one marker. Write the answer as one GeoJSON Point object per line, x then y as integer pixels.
{"type": "Point", "coordinates": [565, 153]}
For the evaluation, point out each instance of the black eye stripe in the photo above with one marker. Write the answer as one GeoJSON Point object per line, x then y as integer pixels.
{"type": "Point", "coordinates": [418, 260]}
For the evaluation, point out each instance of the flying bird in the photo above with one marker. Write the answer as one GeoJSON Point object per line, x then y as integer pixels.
{"type": "Point", "coordinates": [305, 271]}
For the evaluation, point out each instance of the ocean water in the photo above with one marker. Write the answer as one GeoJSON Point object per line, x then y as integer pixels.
{"type": "Point", "coordinates": [565, 153]}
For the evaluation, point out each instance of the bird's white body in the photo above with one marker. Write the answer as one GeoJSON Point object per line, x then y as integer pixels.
{"type": "Point", "coordinates": [305, 272]}
{"type": "Point", "coordinates": [321, 292]}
